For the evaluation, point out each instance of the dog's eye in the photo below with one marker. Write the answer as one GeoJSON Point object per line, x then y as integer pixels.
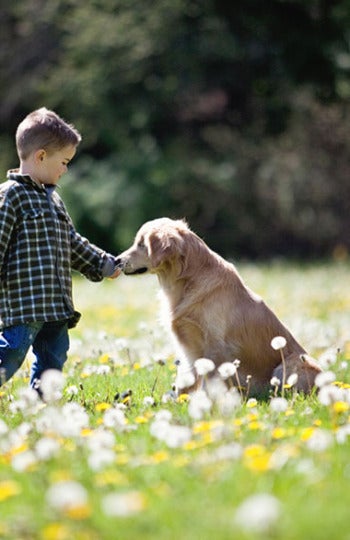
{"type": "Point", "coordinates": [141, 244]}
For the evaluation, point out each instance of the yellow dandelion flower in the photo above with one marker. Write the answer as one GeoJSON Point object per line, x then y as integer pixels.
{"type": "Point", "coordinates": [317, 422]}
{"type": "Point", "coordinates": [306, 433]}
{"type": "Point", "coordinates": [183, 398]}
{"type": "Point", "coordinates": [340, 407]}
{"type": "Point", "coordinates": [86, 432]}
{"type": "Point", "coordinates": [289, 412]}
{"type": "Point", "coordinates": [102, 406]}
{"type": "Point", "coordinates": [238, 422]}
{"type": "Point", "coordinates": [78, 512]}
{"type": "Point", "coordinates": [256, 458]}
{"type": "Point", "coordinates": [56, 531]}
{"type": "Point", "coordinates": [104, 358]}
{"type": "Point", "coordinates": [192, 445]}
{"type": "Point", "coordinates": [141, 419]}
{"type": "Point", "coordinates": [256, 426]}
{"type": "Point", "coordinates": [251, 403]}
{"type": "Point", "coordinates": [159, 457]}
{"type": "Point", "coordinates": [279, 433]}
{"type": "Point", "coordinates": [8, 489]}
{"type": "Point", "coordinates": [112, 477]}
{"type": "Point", "coordinates": [136, 366]}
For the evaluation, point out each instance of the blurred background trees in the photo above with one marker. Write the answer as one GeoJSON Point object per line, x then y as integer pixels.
{"type": "Point", "coordinates": [234, 115]}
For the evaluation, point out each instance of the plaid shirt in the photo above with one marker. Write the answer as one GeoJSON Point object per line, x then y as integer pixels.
{"type": "Point", "coordinates": [39, 248]}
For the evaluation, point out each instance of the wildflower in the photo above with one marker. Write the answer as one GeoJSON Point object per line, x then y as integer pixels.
{"type": "Point", "coordinates": [51, 385]}
{"type": "Point", "coordinates": [275, 382]}
{"type": "Point", "coordinates": [46, 448]}
{"type": "Point", "coordinates": [227, 370]}
{"type": "Point", "coordinates": [115, 418]}
{"type": "Point", "coordinates": [199, 405]}
{"type": "Point", "coordinates": [97, 460]}
{"type": "Point", "coordinates": [278, 343]}
{"type": "Point", "coordinates": [258, 513]}
{"type": "Point", "coordinates": [185, 377]}
{"type": "Point", "coordinates": [229, 401]}
{"type": "Point", "coordinates": [251, 403]}
{"type": "Point", "coordinates": [148, 401]}
{"type": "Point", "coordinates": [67, 496]}
{"type": "Point", "coordinates": [278, 404]}
{"type": "Point", "coordinates": [23, 461]}
{"type": "Point", "coordinates": [319, 440]}
{"type": "Point", "coordinates": [329, 394]}
{"type": "Point", "coordinates": [123, 504]}
{"type": "Point", "coordinates": [204, 366]}
{"type": "Point", "coordinates": [324, 378]}
{"type": "Point", "coordinates": [8, 488]}
{"type": "Point", "coordinates": [71, 390]}
{"type": "Point", "coordinates": [292, 379]}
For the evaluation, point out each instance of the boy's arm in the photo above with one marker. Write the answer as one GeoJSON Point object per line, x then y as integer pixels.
{"type": "Point", "coordinates": [7, 221]}
{"type": "Point", "coordinates": [90, 260]}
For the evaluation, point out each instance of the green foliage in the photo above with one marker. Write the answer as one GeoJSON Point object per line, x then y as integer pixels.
{"type": "Point", "coordinates": [233, 115]}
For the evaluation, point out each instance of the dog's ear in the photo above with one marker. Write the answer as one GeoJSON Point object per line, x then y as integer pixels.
{"type": "Point", "coordinates": [163, 246]}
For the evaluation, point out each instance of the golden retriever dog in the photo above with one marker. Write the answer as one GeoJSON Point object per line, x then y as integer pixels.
{"type": "Point", "coordinates": [213, 314]}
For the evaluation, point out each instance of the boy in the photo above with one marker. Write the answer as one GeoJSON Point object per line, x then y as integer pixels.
{"type": "Point", "coordinates": [39, 247]}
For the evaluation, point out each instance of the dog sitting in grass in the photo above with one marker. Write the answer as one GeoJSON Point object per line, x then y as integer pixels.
{"type": "Point", "coordinates": [212, 313]}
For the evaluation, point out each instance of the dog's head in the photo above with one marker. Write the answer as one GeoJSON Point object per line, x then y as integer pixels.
{"type": "Point", "coordinates": [157, 243]}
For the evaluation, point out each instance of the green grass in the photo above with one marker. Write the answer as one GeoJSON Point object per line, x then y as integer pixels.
{"type": "Point", "coordinates": [192, 491]}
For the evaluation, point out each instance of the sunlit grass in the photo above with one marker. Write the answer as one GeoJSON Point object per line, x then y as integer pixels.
{"type": "Point", "coordinates": [112, 458]}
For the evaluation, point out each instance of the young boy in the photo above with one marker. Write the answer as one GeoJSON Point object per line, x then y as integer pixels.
{"type": "Point", "coordinates": [39, 247]}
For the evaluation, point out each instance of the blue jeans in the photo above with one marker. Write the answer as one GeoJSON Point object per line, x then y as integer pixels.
{"type": "Point", "coordinates": [49, 341]}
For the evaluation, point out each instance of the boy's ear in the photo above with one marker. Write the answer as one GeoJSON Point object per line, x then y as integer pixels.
{"type": "Point", "coordinates": [40, 154]}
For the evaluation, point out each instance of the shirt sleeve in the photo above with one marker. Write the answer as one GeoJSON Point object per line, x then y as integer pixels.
{"type": "Point", "coordinates": [7, 222]}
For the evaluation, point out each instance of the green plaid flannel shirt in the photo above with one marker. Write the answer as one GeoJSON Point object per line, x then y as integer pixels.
{"type": "Point", "coordinates": [39, 248]}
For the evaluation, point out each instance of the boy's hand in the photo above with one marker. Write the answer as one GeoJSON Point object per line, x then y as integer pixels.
{"type": "Point", "coordinates": [116, 273]}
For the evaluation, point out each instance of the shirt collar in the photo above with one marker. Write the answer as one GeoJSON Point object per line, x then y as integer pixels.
{"type": "Point", "coordinates": [14, 174]}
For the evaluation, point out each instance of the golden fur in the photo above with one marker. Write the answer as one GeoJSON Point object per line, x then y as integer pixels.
{"type": "Point", "coordinates": [212, 312]}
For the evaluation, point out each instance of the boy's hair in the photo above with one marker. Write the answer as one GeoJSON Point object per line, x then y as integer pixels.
{"type": "Point", "coordinates": [44, 129]}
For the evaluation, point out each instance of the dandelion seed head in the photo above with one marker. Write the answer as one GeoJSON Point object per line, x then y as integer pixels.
{"type": "Point", "coordinates": [258, 513]}
{"type": "Point", "coordinates": [51, 385]}
{"type": "Point", "coordinates": [278, 343]}
{"type": "Point", "coordinates": [278, 404]}
{"type": "Point", "coordinates": [204, 366]}
{"type": "Point", "coordinates": [199, 405]}
{"type": "Point", "coordinates": [123, 504]}
{"type": "Point", "coordinates": [227, 370]}
{"type": "Point", "coordinates": [292, 379]}
{"type": "Point", "coordinates": [324, 378]}
{"type": "Point", "coordinates": [275, 382]}
{"type": "Point", "coordinates": [66, 495]}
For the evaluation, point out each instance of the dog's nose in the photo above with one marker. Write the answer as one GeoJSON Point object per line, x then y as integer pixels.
{"type": "Point", "coordinates": [118, 262]}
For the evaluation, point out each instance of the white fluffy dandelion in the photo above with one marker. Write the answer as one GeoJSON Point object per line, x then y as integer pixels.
{"type": "Point", "coordinates": [51, 385]}
{"type": "Point", "coordinates": [204, 366]}
{"type": "Point", "coordinates": [258, 513]}
{"type": "Point", "coordinates": [123, 504]}
{"type": "Point", "coordinates": [278, 343]}
{"type": "Point", "coordinates": [66, 495]}
{"type": "Point", "coordinates": [227, 370]}
{"type": "Point", "coordinates": [199, 405]}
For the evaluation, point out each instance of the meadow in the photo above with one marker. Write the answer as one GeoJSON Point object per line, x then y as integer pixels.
{"type": "Point", "coordinates": [113, 455]}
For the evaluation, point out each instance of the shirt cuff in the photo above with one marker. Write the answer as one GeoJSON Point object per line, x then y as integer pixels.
{"type": "Point", "coordinates": [109, 267]}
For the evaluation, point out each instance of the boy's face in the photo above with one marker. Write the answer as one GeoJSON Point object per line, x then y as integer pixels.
{"type": "Point", "coordinates": [49, 167]}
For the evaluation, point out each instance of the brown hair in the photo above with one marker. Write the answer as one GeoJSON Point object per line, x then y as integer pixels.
{"type": "Point", "coordinates": [44, 129]}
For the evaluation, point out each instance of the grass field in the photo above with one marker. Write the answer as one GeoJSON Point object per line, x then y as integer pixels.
{"type": "Point", "coordinates": [110, 457]}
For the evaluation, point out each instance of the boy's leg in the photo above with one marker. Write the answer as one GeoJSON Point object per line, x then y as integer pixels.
{"type": "Point", "coordinates": [50, 348]}
{"type": "Point", "coordinates": [14, 344]}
